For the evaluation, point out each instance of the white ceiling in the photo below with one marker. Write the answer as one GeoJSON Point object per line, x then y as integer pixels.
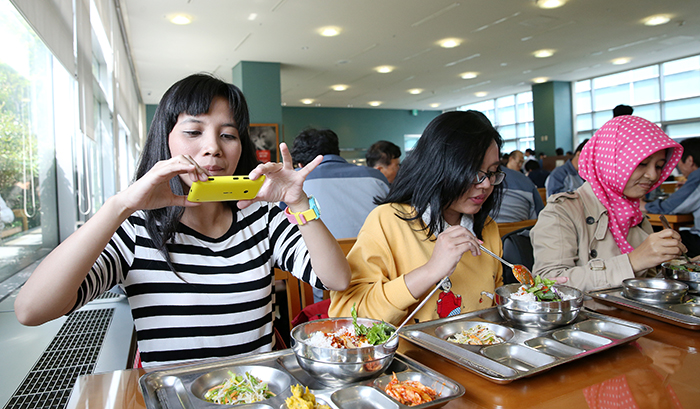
{"type": "Point", "coordinates": [498, 39]}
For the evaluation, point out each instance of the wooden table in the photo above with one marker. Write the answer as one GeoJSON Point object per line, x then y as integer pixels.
{"type": "Point", "coordinates": [659, 368]}
{"type": "Point", "coordinates": [675, 220]}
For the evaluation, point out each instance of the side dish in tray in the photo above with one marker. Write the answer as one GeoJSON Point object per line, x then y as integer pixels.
{"type": "Point", "coordinates": [410, 393]}
{"type": "Point", "coordinates": [477, 335]}
{"type": "Point", "coordinates": [303, 399]}
{"type": "Point", "coordinates": [239, 389]}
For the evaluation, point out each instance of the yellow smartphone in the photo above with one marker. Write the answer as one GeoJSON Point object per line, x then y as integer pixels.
{"type": "Point", "coordinates": [223, 188]}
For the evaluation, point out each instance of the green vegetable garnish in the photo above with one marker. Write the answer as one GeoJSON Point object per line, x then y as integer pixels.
{"type": "Point", "coordinates": [543, 289]}
{"type": "Point", "coordinates": [378, 334]}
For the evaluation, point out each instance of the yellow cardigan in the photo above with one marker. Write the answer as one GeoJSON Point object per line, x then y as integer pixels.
{"type": "Point", "coordinates": [387, 248]}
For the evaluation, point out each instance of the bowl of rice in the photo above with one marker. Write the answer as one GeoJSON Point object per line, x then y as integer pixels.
{"type": "Point", "coordinates": [333, 353]}
{"type": "Point", "coordinates": [522, 308]}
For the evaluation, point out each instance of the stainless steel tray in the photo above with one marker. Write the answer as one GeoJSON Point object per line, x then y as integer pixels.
{"type": "Point", "coordinates": [526, 351]}
{"type": "Point", "coordinates": [685, 315]}
{"type": "Point", "coordinates": [181, 387]}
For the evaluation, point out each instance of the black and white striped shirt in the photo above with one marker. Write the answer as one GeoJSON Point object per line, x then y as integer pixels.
{"type": "Point", "coordinates": [224, 305]}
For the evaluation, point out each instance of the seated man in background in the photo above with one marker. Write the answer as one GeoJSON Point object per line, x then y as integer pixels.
{"type": "Point", "coordinates": [521, 200]}
{"type": "Point", "coordinates": [516, 160]}
{"type": "Point", "coordinates": [384, 156]}
{"type": "Point", "coordinates": [534, 171]}
{"type": "Point", "coordinates": [347, 191]}
{"type": "Point", "coordinates": [687, 198]}
{"type": "Point", "coordinates": [565, 178]}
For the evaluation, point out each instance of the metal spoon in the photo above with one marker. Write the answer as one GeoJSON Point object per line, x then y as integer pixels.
{"type": "Point", "coordinates": [422, 303]}
{"type": "Point", "coordinates": [520, 272]}
{"type": "Point", "coordinates": [668, 226]}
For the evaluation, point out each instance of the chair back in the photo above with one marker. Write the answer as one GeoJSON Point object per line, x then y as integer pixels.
{"type": "Point", "coordinates": [517, 249]}
{"type": "Point", "coordinates": [505, 228]}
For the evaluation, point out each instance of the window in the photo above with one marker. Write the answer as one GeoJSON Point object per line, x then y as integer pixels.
{"type": "Point", "coordinates": [667, 94]}
{"type": "Point", "coordinates": [513, 117]}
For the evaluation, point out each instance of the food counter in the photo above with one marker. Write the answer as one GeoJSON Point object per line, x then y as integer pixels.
{"type": "Point", "coordinates": [658, 370]}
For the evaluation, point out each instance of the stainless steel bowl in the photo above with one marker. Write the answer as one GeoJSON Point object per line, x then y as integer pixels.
{"type": "Point", "coordinates": [333, 366]}
{"type": "Point", "coordinates": [539, 314]}
{"type": "Point", "coordinates": [691, 278]}
{"type": "Point", "coordinates": [654, 290]}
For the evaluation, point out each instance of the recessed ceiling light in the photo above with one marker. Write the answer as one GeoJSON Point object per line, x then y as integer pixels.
{"type": "Point", "coordinates": [481, 94]}
{"type": "Point", "coordinates": [375, 103]}
{"type": "Point", "coordinates": [540, 80]}
{"type": "Point", "coordinates": [620, 61]}
{"type": "Point", "coordinates": [181, 19]}
{"type": "Point", "coordinates": [307, 101]}
{"type": "Point", "coordinates": [469, 75]}
{"type": "Point", "coordinates": [549, 4]}
{"type": "Point", "coordinates": [543, 53]}
{"type": "Point", "coordinates": [435, 105]}
{"type": "Point", "coordinates": [415, 91]}
{"type": "Point", "coordinates": [450, 42]}
{"type": "Point", "coordinates": [252, 16]}
{"type": "Point", "coordinates": [339, 87]}
{"type": "Point", "coordinates": [657, 20]}
{"type": "Point", "coordinates": [329, 31]}
{"type": "Point", "coordinates": [384, 69]}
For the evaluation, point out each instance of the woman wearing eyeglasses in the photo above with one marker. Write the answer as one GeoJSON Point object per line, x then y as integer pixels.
{"type": "Point", "coordinates": [430, 226]}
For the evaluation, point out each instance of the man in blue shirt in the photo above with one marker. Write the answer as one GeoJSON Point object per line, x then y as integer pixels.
{"type": "Point", "coordinates": [687, 198]}
{"type": "Point", "coordinates": [565, 178]}
{"type": "Point", "coordinates": [521, 200]}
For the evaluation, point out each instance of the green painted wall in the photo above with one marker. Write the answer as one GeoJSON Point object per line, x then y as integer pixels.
{"type": "Point", "coordinates": [356, 127]}
{"type": "Point", "coordinates": [150, 111]}
{"type": "Point", "coordinates": [260, 83]}
{"type": "Point", "coordinates": [553, 116]}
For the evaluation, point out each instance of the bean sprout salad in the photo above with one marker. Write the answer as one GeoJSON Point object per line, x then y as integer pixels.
{"type": "Point", "coordinates": [479, 334]}
{"type": "Point", "coordinates": [237, 389]}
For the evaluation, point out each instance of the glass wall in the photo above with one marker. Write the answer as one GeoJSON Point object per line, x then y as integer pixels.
{"type": "Point", "coordinates": [667, 94]}
{"type": "Point", "coordinates": [513, 116]}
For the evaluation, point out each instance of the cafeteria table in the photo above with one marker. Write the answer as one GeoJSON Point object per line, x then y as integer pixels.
{"type": "Point", "coordinates": [658, 370]}
{"type": "Point", "coordinates": [674, 220]}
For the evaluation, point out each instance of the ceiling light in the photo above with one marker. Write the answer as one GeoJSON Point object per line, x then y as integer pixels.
{"type": "Point", "coordinates": [307, 101]}
{"type": "Point", "coordinates": [252, 16]}
{"type": "Point", "coordinates": [339, 87]}
{"type": "Point", "coordinates": [329, 31]}
{"type": "Point", "coordinates": [540, 80]}
{"type": "Point", "coordinates": [549, 4]}
{"type": "Point", "coordinates": [620, 61]}
{"type": "Point", "coordinates": [415, 91]}
{"type": "Point", "coordinates": [375, 103]}
{"type": "Point", "coordinates": [543, 53]}
{"type": "Point", "coordinates": [450, 42]}
{"type": "Point", "coordinates": [469, 75]}
{"type": "Point", "coordinates": [384, 69]}
{"type": "Point", "coordinates": [657, 20]}
{"type": "Point", "coordinates": [481, 94]}
{"type": "Point", "coordinates": [435, 105]}
{"type": "Point", "coordinates": [181, 19]}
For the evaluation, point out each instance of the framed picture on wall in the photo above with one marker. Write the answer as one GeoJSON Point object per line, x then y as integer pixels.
{"type": "Point", "coordinates": [266, 139]}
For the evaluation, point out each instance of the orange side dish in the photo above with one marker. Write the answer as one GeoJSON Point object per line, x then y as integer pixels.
{"type": "Point", "coordinates": [410, 393]}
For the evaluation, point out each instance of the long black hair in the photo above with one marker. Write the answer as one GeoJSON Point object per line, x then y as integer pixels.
{"type": "Point", "coordinates": [192, 95]}
{"type": "Point", "coordinates": [443, 166]}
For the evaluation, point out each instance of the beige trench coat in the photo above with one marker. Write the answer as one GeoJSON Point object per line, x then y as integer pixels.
{"type": "Point", "coordinates": [572, 239]}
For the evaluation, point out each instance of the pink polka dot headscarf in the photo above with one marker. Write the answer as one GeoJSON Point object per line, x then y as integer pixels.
{"type": "Point", "coordinates": [608, 160]}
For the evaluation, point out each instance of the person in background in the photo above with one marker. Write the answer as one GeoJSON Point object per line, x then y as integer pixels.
{"type": "Point", "coordinates": [540, 159]}
{"type": "Point", "coordinates": [346, 190]}
{"type": "Point", "coordinates": [529, 155]}
{"type": "Point", "coordinates": [537, 175]}
{"type": "Point", "coordinates": [566, 178]}
{"type": "Point", "coordinates": [384, 156]}
{"type": "Point", "coordinates": [504, 159]}
{"type": "Point", "coordinates": [516, 160]}
{"type": "Point", "coordinates": [687, 198]}
{"type": "Point", "coordinates": [6, 214]}
{"type": "Point", "coordinates": [597, 235]}
{"type": "Point", "coordinates": [622, 110]}
{"type": "Point", "coordinates": [521, 200]}
{"type": "Point", "coordinates": [559, 151]}
{"type": "Point", "coordinates": [430, 226]}
{"type": "Point", "coordinates": [198, 276]}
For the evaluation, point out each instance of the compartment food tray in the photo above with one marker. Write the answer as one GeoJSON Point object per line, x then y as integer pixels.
{"type": "Point", "coordinates": [526, 351]}
{"type": "Point", "coordinates": [181, 387]}
{"type": "Point", "coordinates": [684, 314]}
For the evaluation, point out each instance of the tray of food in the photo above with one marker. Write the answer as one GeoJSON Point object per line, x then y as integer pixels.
{"type": "Point", "coordinates": [522, 337]}
{"type": "Point", "coordinates": [328, 365]}
{"type": "Point", "coordinates": [657, 298]}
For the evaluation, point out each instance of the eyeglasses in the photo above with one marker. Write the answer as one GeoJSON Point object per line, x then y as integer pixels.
{"type": "Point", "coordinates": [496, 178]}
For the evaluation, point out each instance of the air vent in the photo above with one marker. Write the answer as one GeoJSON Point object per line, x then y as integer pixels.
{"type": "Point", "coordinates": [73, 352]}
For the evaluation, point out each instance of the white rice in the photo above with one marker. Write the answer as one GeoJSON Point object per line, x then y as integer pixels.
{"type": "Point", "coordinates": [523, 295]}
{"type": "Point", "coordinates": [325, 340]}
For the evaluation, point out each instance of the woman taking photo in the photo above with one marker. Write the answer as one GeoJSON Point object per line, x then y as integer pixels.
{"type": "Point", "coordinates": [198, 276]}
{"type": "Point", "coordinates": [597, 235]}
{"type": "Point", "coordinates": [430, 226]}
